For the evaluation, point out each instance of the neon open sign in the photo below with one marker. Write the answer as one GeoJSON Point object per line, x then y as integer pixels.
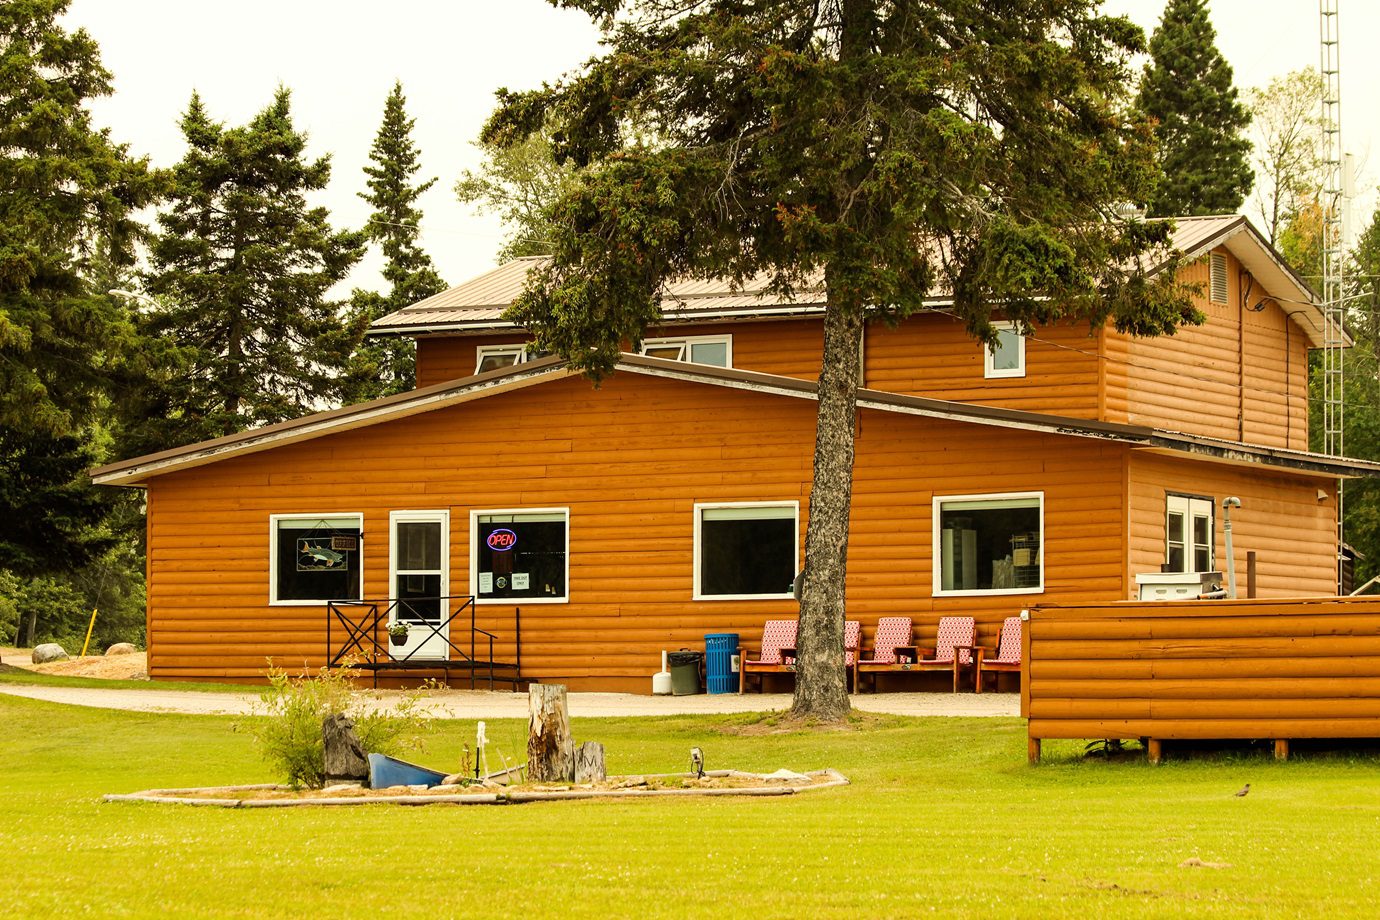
{"type": "Point", "coordinates": [502, 540]}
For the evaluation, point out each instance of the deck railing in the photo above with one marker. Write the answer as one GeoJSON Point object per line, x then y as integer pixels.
{"type": "Point", "coordinates": [367, 645]}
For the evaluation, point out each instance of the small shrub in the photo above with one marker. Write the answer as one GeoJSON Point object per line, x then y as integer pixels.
{"type": "Point", "coordinates": [293, 710]}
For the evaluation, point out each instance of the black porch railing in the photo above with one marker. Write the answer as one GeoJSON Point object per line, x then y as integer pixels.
{"type": "Point", "coordinates": [366, 644]}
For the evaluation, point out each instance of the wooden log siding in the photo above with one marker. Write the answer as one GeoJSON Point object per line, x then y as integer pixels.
{"type": "Point", "coordinates": [1241, 376]}
{"type": "Point", "coordinates": [630, 460]}
{"type": "Point", "coordinates": [1281, 669]}
{"type": "Point", "coordinates": [1292, 532]}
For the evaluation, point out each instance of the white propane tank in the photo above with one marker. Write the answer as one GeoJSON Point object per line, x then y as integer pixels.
{"type": "Point", "coordinates": [661, 681]}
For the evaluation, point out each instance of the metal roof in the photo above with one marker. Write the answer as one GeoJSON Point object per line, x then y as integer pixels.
{"type": "Point", "coordinates": [477, 305]}
{"type": "Point", "coordinates": [137, 471]}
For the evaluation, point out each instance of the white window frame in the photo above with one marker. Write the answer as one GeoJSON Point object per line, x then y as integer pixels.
{"type": "Point", "coordinates": [1188, 505]}
{"type": "Point", "coordinates": [701, 507]}
{"type": "Point", "coordinates": [989, 369]}
{"type": "Point", "coordinates": [685, 341]}
{"type": "Point", "coordinates": [486, 351]}
{"type": "Point", "coordinates": [474, 557]}
{"type": "Point", "coordinates": [936, 547]}
{"type": "Point", "coordinates": [273, 520]}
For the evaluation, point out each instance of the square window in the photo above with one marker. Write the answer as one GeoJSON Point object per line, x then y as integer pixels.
{"type": "Point", "coordinates": [746, 550]}
{"type": "Point", "coordinates": [1008, 360]}
{"type": "Point", "coordinates": [520, 555]}
{"type": "Point", "coordinates": [492, 357]}
{"type": "Point", "coordinates": [315, 558]}
{"type": "Point", "coordinates": [989, 544]}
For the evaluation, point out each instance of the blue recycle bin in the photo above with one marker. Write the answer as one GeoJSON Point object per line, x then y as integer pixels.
{"type": "Point", "coordinates": [720, 649]}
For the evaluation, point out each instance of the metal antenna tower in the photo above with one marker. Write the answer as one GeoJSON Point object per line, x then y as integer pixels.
{"type": "Point", "coordinates": [1334, 311]}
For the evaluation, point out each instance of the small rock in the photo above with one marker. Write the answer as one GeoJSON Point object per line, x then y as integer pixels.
{"type": "Point", "coordinates": [121, 648]}
{"type": "Point", "coordinates": [787, 776]}
{"type": "Point", "coordinates": [341, 787]}
{"type": "Point", "coordinates": [49, 651]}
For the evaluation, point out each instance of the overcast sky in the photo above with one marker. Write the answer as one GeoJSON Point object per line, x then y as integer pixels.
{"type": "Point", "coordinates": [340, 58]}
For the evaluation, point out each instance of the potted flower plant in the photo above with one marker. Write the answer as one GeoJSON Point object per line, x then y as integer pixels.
{"type": "Point", "coordinates": [397, 632]}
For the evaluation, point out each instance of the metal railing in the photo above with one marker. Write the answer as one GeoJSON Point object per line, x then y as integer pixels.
{"type": "Point", "coordinates": [367, 643]}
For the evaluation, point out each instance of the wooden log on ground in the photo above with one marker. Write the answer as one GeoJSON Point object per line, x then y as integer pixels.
{"type": "Point", "coordinates": [550, 748]}
{"type": "Point", "coordinates": [344, 756]}
{"type": "Point", "coordinates": [589, 763]}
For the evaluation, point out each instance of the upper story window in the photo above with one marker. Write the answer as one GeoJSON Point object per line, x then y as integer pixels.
{"type": "Point", "coordinates": [1008, 359]}
{"type": "Point", "coordinates": [492, 357]}
{"type": "Point", "coordinates": [989, 544]}
{"type": "Point", "coordinates": [701, 349]}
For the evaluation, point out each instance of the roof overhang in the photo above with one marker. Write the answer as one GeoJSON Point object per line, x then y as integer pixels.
{"type": "Point", "coordinates": [138, 471]}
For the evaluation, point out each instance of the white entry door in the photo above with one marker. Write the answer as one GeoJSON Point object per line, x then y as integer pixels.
{"type": "Point", "coordinates": [419, 575]}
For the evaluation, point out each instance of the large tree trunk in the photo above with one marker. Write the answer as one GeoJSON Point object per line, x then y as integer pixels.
{"type": "Point", "coordinates": [821, 690]}
{"type": "Point", "coordinates": [550, 747]}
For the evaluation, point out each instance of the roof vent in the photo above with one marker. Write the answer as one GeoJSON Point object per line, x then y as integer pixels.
{"type": "Point", "coordinates": [1219, 278]}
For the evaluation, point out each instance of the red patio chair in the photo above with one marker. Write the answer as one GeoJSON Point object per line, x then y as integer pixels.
{"type": "Point", "coordinates": [777, 636]}
{"type": "Point", "coordinates": [953, 648]}
{"type": "Point", "coordinates": [1007, 657]}
{"type": "Point", "coordinates": [778, 650]}
{"type": "Point", "coordinates": [892, 633]}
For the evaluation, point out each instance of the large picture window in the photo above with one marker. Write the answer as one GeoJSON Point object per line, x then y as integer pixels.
{"type": "Point", "coordinates": [315, 558]}
{"type": "Point", "coordinates": [746, 550]}
{"type": "Point", "coordinates": [520, 555]}
{"type": "Point", "coordinates": [989, 544]}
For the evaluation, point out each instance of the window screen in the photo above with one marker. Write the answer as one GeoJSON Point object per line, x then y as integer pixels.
{"type": "Point", "coordinates": [747, 551]}
{"type": "Point", "coordinates": [316, 558]}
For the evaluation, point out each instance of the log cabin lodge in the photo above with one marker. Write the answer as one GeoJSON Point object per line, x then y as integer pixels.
{"type": "Point", "coordinates": [671, 501]}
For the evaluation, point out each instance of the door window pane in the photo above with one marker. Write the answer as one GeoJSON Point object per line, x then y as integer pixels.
{"type": "Point", "coordinates": [419, 545]}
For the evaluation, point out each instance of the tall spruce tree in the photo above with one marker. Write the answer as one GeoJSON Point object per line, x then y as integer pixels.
{"type": "Point", "coordinates": [1200, 123]}
{"type": "Point", "coordinates": [383, 366]}
{"type": "Point", "coordinates": [68, 197]}
{"type": "Point", "coordinates": [898, 149]}
{"type": "Point", "coordinates": [242, 269]}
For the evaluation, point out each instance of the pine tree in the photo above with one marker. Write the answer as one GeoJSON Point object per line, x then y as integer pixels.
{"type": "Point", "coordinates": [1200, 123]}
{"type": "Point", "coordinates": [68, 199]}
{"type": "Point", "coordinates": [387, 365]}
{"type": "Point", "coordinates": [896, 148]}
{"type": "Point", "coordinates": [242, 268]}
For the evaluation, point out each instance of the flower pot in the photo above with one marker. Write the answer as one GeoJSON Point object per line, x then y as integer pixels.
{"type": "Point", "coordinates": [396, 639]}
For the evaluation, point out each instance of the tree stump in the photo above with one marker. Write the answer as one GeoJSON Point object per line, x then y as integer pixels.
{"type": "Point", "coordinates": [589, 763]}
{"type": "Point", "coordinates": [550, 748]}
{"type": "Point", "coordinates": [344, 756]}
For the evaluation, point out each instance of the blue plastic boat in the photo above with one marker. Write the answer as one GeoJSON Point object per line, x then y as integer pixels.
{"type": "Point", "coordinates": [387, 771]}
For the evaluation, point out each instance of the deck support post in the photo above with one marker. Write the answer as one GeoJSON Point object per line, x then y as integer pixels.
{"type": "Point", "coordinates": [1281, 749]}
{"type": "Point", "coordinates": [1154, 751]}
{"type": "Point", "coordinates": [1033, 750]}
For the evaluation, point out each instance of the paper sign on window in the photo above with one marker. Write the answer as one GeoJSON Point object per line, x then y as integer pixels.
{"type": "Point", "coordinates": [521, 581]}
{"type": "Point", "coordinates": [486, 582]}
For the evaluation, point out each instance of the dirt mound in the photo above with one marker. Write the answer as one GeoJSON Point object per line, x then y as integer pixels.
{"type": "Point", "coordinates": [119, 667]}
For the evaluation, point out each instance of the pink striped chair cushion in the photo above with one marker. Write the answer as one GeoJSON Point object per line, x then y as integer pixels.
{"type": "Point", "coordinates": [1009, 647]}
{"type": "Point", "coordinates": [891, 632]}
{"type": "Point", "coordinates": [776, 635]}
{"type": "Point", "coordinates": [852, 638]}
{"type": "Point", "coordinates": [954, 631]}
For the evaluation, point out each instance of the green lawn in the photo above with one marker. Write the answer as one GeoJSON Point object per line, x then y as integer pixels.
{"type": "Point", "coordinates": [944, 816]}
{"type": "Point", "coordinates": [39, 679]}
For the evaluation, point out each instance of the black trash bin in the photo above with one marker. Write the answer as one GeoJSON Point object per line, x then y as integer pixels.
{"type": "Point", "coordinates": [685, 671]}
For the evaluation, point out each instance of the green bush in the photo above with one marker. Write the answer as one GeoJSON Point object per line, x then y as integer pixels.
{"type": "Point", "coordinates": [293, 710]}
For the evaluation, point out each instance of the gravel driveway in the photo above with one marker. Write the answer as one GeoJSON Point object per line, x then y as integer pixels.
{"type": "Point", "coordinates": [479, 704]}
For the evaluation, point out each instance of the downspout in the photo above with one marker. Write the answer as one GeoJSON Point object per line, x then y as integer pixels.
{"type": "Point", "coordinates": [1227, 505]}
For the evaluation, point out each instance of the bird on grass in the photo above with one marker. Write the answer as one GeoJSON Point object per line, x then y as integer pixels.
{"type": "Point", "coordinates": [1241, 794]}
{"type": "Point", "coordinates": [697, 762]}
